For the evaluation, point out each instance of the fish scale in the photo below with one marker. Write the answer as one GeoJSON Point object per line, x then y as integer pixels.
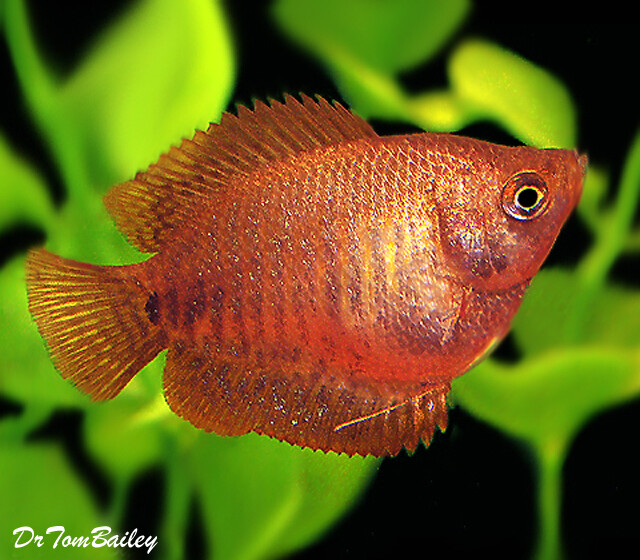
{"type": "Point", "coordinates": [311, 280]}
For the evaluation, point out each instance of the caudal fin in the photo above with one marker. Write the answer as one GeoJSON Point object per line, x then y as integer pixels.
{"type": "Point", "coordinates": [93, 321]}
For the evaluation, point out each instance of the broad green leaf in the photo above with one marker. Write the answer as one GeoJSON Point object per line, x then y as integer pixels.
{"type": "Point", "coordinates": [581, 307]}
{"type": "Point", "coordinates": [163, 70]}
{"type": "Point", "coordinates": [370, 93]}
{"type": "Point", "coordinates": [439, 111]}
{"type": "Point", "coordinates": [124, 434]}
{"type": "Point", "coordinates": [39, 489]}
{"type": "Point", "coordinates": [261, 498]}
{"type": "Point", "coordinates": [366, 44]}
{"type": "Point", "coordinates": [388, 36]}
{"type": "Point", "coordinates": [487, 81]}
{"type": "Point", "coordinates": [615, 320]}
{"type": "Point", "coordinates": [526, 100]}
{"type": "Point", "coordinates": [128, 434]}
{"type": "Point", "coordinates": [544, 320]}
{"type": "Point", "coordinates": [546, 399]}
{"type": "Point", "coordinates": [541, 322]}
{"type": "Point", "coordinates": [84, 231]}
{"type": "Point", "coordinates": [331, 485]}
{"type": "Point", "coordinates": [23, 194]}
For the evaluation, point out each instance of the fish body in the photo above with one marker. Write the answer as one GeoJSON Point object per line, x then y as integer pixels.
{"type": "Point", "coordinates": [312, 280]}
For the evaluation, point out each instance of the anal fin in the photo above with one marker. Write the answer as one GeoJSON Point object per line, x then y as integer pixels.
{"type": "Point", "coordinates": [229, 399]}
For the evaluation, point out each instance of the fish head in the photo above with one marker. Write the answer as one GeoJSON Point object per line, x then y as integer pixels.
{"type": "Point", "coordinates": [499, 222]}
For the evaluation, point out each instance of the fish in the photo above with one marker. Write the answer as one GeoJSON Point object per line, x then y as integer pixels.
{"type": "Point", "coordinates": [310, 280]}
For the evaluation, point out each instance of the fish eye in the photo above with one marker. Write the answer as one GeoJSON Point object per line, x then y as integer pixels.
{"type": "Point", "coordinates": [525, 196]}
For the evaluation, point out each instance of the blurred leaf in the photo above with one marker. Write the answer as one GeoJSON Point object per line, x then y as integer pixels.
{"type": "Point", "coordinates": [369, 93]}
{"type": "Point", "coordinates": [439, 111]}
{"type": "Point", "coordinates": [544, 319]}
{"type": "Point", "coordinates": [615, 320]}
{"type": "Point", "coordinates": [85, 232]}
{"type": "Point", "coordinates": [633, 241]}
{"type": "Point", "coordinates": [265, 508]}
{"type": "Point", "coordinates": [123, 434]}
{"type": "Point", "coordinates": [23, 195]}
{"type": "Point", "coordinates": [594, 191]}
{"type": "Point", "coordinates": [544, 401]}
{"type": "Point", "coordinates": [388, 36]}
{"type": "Point", "coordinates": [366, 44]}
{"type": "Point", "coordinates": [35, 481]}
{"type": "Point", "coordinates": [541, 322]}
{"type": "Point", "coordinates": [526, 100]}
{"type": "Point", "coordinates": [36, 79]}
{"type": "Point", "coordinates": [615, 228]}
{"type": "Point", "coordinates": [547, 398]}
{"type": "Point", "coordinates": [162, 70]}
{"type": "Point", "coordinates": [360, 45]}
{"type": "Point", "coordinates": [331, 485]}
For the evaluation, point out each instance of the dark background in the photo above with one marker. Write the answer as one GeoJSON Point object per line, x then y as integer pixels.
{"type": "Point", "coordinates": [472, 493]}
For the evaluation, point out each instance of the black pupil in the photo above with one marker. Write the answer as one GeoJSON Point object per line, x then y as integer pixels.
{"type": "Point", "coordinates": [527, 198]}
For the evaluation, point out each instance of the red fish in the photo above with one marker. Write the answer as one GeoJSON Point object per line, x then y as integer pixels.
{"type": "Point", "coordinates": [311, 280]}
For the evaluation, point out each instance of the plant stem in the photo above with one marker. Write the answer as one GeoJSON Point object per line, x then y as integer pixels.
{"type": "Point", "coordinates": [593, 270]}
{"type": "Point", "coordinates": [118, 504]}
{"type": "Point", "coordinates": [41, 88]}
{"type": "Point", "coordinates": [178, 496]}
{"type": "Point", "coordinates": [550, 461]}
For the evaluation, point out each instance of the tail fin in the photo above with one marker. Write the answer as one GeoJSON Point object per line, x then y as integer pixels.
{"type": "Point", "coordinates": [93, 321]}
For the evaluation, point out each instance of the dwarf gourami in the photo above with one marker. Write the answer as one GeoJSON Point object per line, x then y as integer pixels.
{"type": "Point", "coordinates": [311, 280]}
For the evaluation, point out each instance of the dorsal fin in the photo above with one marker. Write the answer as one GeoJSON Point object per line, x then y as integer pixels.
{"type": "Point", "coordinates": [171, 191]}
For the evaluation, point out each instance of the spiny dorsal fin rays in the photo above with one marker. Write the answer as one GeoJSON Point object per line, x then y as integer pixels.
{"type": "Point", "coordinates": [170, 192]}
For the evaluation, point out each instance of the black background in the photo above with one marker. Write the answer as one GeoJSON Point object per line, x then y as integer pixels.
{"type": "Point", "coordinates": [472, 493]}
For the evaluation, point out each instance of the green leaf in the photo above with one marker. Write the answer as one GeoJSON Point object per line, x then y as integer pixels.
{"type": "Point", "coordinates": [487, 81]}
{"type": "Point", "coordinates": [263, 498]}
{"type": "Point", "coordinates": [164, 69]}
{"type": "Point", "coordinates": [544, 401]}
{"type": "Point", "coordinates": [84, 231]}
{"type": "Point", "coordinates": [366, 44]}
{"type": "Point", "coordinates": [541, 322]}
{"type": "Point", "coordinates": [439, 111]}
{"type": "Point", "coordinates": [40, 490]}
{"type": "Point", "coordinates": [582, 307]}
{"type": "Point", "coordinates": [547, 399]}
{"type": "Point", "coordinates": [388, 36]}
{"type": "Point", "coordinates": [544, 321]}
{"type": "Point", "coordinates": [23, 194]}
{"type": "Point", "coordinates": [331, 485]}
{"type": "Point", "coordinates": [594, 191]}
{"type": "Point", "coordinates": [526, 100]}
{"type": "Point", "coordinates": [124, 435]}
